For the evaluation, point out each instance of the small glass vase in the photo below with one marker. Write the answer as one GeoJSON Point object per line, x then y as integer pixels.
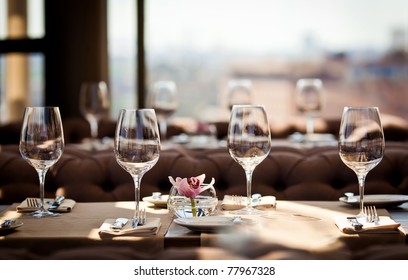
{"type": "Point", "coordinates": [203, 204]}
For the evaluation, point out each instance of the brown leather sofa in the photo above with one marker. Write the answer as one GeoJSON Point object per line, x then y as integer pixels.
{"type": "Point", "coordinates": [287, 173]}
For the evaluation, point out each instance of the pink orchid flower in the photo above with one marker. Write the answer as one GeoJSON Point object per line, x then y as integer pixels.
{"type": "Point", "coordinates": [190, 187]}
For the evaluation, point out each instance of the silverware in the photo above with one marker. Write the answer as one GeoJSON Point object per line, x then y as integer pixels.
{"type": "Point", "coordinates": [142, 217]}
{"type": "Point", "coordinates": [57, 202]}
{"type": "Point", "coordinates": [355, 223]}
{"type": "Point", "coordinates": [371, 214]}
{"type": "Point", "coordinates": [32, 203]}
{"type": "Point", "coordinates": [139, 219]}
{"type": "Point", "coordinates": [7, 223]}
{"type": "Point", "coordinates": [119, 223]}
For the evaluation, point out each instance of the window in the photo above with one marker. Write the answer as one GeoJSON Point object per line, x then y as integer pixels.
{"type": "Point", "coordinates": [359, 50]}
{"type": "Point", "coordinates": [122, 54]}
{"type": "Point", "coordinates": [22, 74]}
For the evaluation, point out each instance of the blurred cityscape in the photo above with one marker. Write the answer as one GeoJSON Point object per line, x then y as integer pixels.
{"type": "Point", "coordinates": [351, 78]}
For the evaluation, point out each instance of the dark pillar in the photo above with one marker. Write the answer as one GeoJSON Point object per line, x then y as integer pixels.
{"type": "Point", "coordinates": [76, 50]}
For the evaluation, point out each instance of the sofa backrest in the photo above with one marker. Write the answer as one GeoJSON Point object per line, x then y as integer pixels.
{"type": "Point", "coordinates": [287, 173]}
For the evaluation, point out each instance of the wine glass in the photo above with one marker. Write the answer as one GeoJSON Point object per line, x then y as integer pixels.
{"type": "Point", "coordinates": [94, 104]}
{"type": "Point", "coordinates": [239, 92]}
{"type": "Point", "coordinates": [137, 146]}
{"type": "Point", "coordinates": [163, 99]}
{"type": "Point", "coordinates": [361, 143]}
{"type": "Point", "coordinates": [249, 143]}
{"type": "Point", "coordinates": [309, 101]}
{"type": "Point", "coordinates": [42, 144]}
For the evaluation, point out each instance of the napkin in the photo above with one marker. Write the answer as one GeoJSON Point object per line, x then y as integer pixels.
{"type": "Point", "coordinates": [150, 228]}
{"type": "Point", "coordinates": [234, 202]}
{"type": "Point", "coordinates": [384, 225]}
{"type": "Point", "coordinates": [66, 205]}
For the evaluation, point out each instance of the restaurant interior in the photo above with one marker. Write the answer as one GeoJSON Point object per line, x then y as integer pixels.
{"type": "Point", "coordinates": [285, 155]}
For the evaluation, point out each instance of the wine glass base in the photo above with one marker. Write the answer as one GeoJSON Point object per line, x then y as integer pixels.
{"type": "Point", "coordinates": [43, 214]}
{"type": "Point", "coordinates": [247, 211]}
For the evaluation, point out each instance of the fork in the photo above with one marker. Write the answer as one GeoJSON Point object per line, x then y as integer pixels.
{"type": "Point", "coordinates": [139, 218]}
{"type": "Point", "coordinates": [371, 214]}
{"type": "Point", "coordinates": [32, 202]}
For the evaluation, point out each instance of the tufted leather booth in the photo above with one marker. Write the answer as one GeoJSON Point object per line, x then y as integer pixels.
{"type": "Point", "coordinates": [287, 173]}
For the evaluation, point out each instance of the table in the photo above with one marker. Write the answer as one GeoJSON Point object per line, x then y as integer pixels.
{"type": "Point", "coordinates": [305, 225]}
{"type": "Point", "coordinates": [80, 228]}
{"type": "Point", "coordinates": [301, 225]}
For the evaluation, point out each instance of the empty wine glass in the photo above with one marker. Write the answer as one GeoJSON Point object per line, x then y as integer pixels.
{"type": "Point", "coordinates": [361, 143]}
{"type": "Point", "coordinates": [42, 144]}
{"type": "Point", "coordinates": [137, 146]}
{"type": "Point", "coordinates": [239, 92]}
{"type": "Point", "coordinates": [249, 143]}
{"type": "Point", "coordinates": [309, 101]}
{"type": "Point", "coordinates": [94, 104]}
{"type": "Point", "coordinates": [163, 99]}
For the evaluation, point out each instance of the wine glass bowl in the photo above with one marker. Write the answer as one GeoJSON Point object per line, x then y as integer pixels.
{"type": "Point", "coordinates": [137, 146]}
{"type": "Point", "coordinates": [94, 104]}
{"type": "Point", "coordinates": [309, 101]}
{"type": "Point", "coordinates": [239, 92]}
{"type": "Point", "coordinates": [361, 143]}
{"type": "Point", "coordinates": [249, 143]}
{"type": "Point", "coordinates": [42, 144]}
{"type": "Point", "coordinates": [163, 98]}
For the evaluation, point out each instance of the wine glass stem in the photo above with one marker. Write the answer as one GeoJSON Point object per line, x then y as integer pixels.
{"type": "Point", "coordinates": [248, 174]}
{"type": "Point", "coordinates": [136, 179]}
{"type": "Point", "coordinates": [163, 128]}
{"type": "Point", "coordinates": [41, 176]}
{"type": "Point", "coordinates": [94, 128]}
{"type": "Point", "coordinates": [361, 183]}
{"type": "Point", "coordinates": [310, 125]}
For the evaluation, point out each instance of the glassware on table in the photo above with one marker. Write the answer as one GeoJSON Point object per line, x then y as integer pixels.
{"type": "Point", "coordinates": [42, 144]}
{"type": "Point", "coordinates": [249, 143]}
{"type": "Point", "coordinates": [239, 92]}
{"type": "Point", "coordinates": [361, 143]}
{"type": "Point", "coordinates": [163, 99]}
{"type": "Point", "coordinates": [137, 146]}
{"type": "Point", "coordinates": [309, 101]}
{"type": "Point", "coordinates": [94, 104]}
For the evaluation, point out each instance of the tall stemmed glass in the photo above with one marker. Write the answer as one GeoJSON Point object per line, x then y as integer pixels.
{"type": "Point", "coordinates": [239, 92]}
{"type": "Point", "coordinates": [137, 146]}
{"type": "Point", "coordinates": [309, 101]}
{"type": "Point", "coordinates": [42, 144]}
{"type": "Point", "coordinates": [249, 143]}
{"type": "Point", "coordinates": [94, 104]}
{"type": "Point", "coordinates": [361, 143]}
{"type": "Point", "coordinates": [163, 99]}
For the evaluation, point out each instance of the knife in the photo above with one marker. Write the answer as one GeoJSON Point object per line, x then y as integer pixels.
{"type": "Point", "coordinates": [57, 202]}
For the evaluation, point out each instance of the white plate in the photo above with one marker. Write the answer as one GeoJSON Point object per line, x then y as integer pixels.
{"type": "Point", "coordinates": [16, 224]}
{"type": "Point", "coordinates": [379, 200]}
{"type": "Point", "coordinates": [158, 202]}
{"type": "Point", "coordinates": [211, 223]}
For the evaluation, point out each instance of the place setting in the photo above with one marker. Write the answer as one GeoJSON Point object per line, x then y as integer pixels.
{"type": "Point", "coordinates": [361, 148]}
{"type": "Point", "coordinates": [58, 205]}
{"type": "Point", "coordinates": [137, 150]}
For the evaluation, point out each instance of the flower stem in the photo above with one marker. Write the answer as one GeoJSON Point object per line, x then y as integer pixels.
{"type": "Point", "coordinates": [193, 209]}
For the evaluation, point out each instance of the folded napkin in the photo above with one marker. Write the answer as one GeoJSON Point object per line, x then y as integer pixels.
{"type": "Point", "coordinates": [66, 205]}
{"type": "Point", "coordinates": [234, 202]}
{"type": "Point", "coordinates": [384, 225]}
{"type": "Point", "coordinates": [150, 228]}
